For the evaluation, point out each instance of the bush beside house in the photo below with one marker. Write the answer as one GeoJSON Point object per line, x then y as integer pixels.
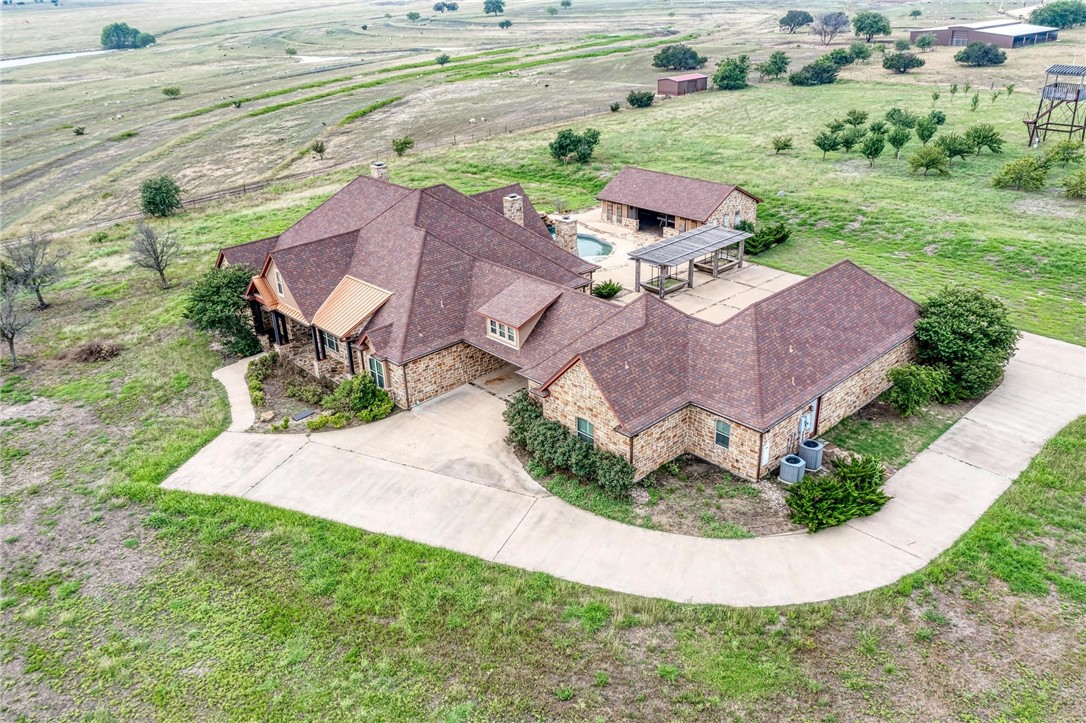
{"type": "Point", "coordinates": [854, 489]}
{"type": "Point", "coordinates": [555, 447]}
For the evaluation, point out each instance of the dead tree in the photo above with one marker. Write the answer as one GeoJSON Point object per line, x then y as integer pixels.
{"type": "Point", "coordinates": [33, 264]}
{"type": "Point", "coordinates": [12, 322]}
{"type": "Point", "coordinates": [153, 251]}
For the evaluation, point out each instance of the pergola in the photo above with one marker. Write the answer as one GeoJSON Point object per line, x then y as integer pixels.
{"type": "Point", "coordinates": [711, 249]}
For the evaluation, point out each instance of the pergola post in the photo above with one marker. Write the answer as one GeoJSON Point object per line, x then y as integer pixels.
{"type": "Point", "coordinates": [637, 274]}
{"type": "Point", "coordinates": [742, 246]}
{"type": "Point", "coordinates": [716, 264]}
{"type": "Point", "coordinates": [690, 274]}
{"type": "Point", "coordinates": [662, 279]}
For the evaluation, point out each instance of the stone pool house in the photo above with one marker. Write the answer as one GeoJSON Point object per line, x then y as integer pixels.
{"type": "Point", "coordinates": [428, 289]}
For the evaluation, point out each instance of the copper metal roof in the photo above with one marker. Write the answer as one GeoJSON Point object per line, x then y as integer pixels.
{"type": "Point", "coordinates": [349, 304]}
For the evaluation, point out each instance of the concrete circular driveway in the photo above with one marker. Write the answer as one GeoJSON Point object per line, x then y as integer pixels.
{"type": "Point", "coordinates": [441, 474]}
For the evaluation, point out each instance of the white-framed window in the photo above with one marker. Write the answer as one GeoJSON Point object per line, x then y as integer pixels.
{"type": "Point", "coordinates": [586, 431]}
{"type": "Point", "coordinates": [279, 283]}
{"type": "Point", "coordinates": [723, 434]}
{"type": "Point", "coordinates": [377, 371]}
{"type": "Point", "coordinates": [330, 341]}
{"type": "Point", "coordinates": [501, 332]}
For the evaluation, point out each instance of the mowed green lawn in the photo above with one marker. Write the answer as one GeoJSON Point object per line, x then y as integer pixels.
{"type": "Point", "coordinates": [918, 233]}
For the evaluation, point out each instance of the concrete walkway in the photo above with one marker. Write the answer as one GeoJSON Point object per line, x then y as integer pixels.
{"type": "Point", "coordinates": [466, 493]}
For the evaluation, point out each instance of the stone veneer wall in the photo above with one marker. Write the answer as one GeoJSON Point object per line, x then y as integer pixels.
{"type": "Point", "coordinates": [745, 445]}
{"type": "Point", "coordinates": [575, 394]}
{"type": "Point", "coordinates": [736, 201]}
{"type": "Point", "coordinates": [660, 443]}
{"type": "Point", "coordinates": [434, 374]}
{"type": "Point", "coordinates": [609, 212]}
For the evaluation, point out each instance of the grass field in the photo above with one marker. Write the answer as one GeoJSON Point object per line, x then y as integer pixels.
{"type": "Point", "coordinates": [121, 601]}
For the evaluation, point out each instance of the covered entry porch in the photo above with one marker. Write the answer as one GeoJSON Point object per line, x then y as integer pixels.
{"type": "Point", "coordinates": [710, 249]}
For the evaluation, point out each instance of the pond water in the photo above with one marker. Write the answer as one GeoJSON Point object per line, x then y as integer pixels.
{"type": "Point", "coordinates": [592, 247]}
{"type": "Point", "coordinates": [6, 63]}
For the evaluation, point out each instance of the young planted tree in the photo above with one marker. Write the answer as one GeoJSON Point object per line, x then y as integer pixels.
{"type": "Point", "coordinates": [775, 66]}
{"type": "Point", "coordinates": [901, 44]}
{"type": "Point", "coordinates": [901, 117]}
{"type": "Point", "coordinates": [1009, 89]}
{"type": "Point", "coordinates": [1024, 174]}
{"type": "Point", "coordinates": [969, 334]}
{"type": "Point", "coordinates": [925, 42]}
{"type": "Point", "coordinates": [214, 304]}
{"type": "Point", "coordinates": [731, 73]}
{"type": "Point", "coordinates": [828, 26]}
{"type": "Point", "coordinates": [897, 138]}
{"type": "Point", "coordinates": [996, 94]}
{"type": "Point", "coordinates": [826, 141]}
{"type": "Point", "coordinates": [953, 91]}
{"type": "Point", "coordinates": [1064, 152]}
{"type": "Point", "coordinates": [836, 125]}
{"type": "Point", "coordinates": [31, 263]}
{"type": "Point", "coordinates": [984, 135]}
{"type": "Point", "coordinates": [872, 148]}
{"type": "Point", "coordinates": [153, 251]}
{"type": "Point", "coordinates": [292, 52]}
{"type": "Point", "coordinates": [935, 96]}
{"type": "Point", "coordinates": [1074, 185]}
{"type": "Point", "coordinates": [867, 24]}
{"type": "Point", "coordinates": [795, 19]}
{"type": "Point", "coordinates": [12, 320]}
{"type": "Point", "coordinates": [402, 145]}
{"type": "Point", "coordinates": [160, 196]}
{"type": "Point", "coordinates": [319, 147]}
{"type": "Point", "coordinates": [442, 59]}
{"type": "Point", "coordinates": [859, 50]}
{"type": "Point", "coordinates": [980, 55]}
{"type": "Point", "coordinates": [171, 92]}
{"type": "Point", "coordinates": [914, 13]}
{"type": "Point", "coordinates": [414, 16]}
{"type": "Point", "coordinates": [902, 62]}
{"type": "Point", "coordinates": [570, 146]}
{"type": "Point", "coordinates": [930, 158]}
{"type": "Point", "coordinates": [925, 130]}
{"type": "Point", "coordinates": [678, 57]}
{"type": "Point", "coordinates": [974, 102]}
{"type": "Point", "coordinates": [615, 107]}
{"type": "Point", "coordinates": [781, 143]}
{"type": "Point", "coordinates": [852, 138]}
{"type": "Point", "coordinates": [856, 117]}
{"type": "Point", "coordinates": [954, 145]}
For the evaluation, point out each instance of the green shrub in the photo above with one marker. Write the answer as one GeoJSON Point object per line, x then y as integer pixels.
{"type": "Point", "coordinates": [1074, 186]}
{"type": "Point", "coordinates": [159, 196]}
{"type": "Point", "coordinates": [640, 98]}
{"type": "Point", "coordinates": [607, 289]}
{"type": "Point", "coordinates": [359, 397]}
{"type": "Point", "coordinates": [970, 335]}
{"type": "Point", "coordinates": [615, 107]}
{"type": "Point", "coordinates": [1023, 174]}
{"type": "Point", "coordinates": [1064, 152]}
{"type": "Point", "coordinates": [261, 367]}
{"type": "Point", "coordinates": [854, 489]}
{"type": "Point", "coordinates": [257, 397]}
{"type": "Point", "coordinates": [214, 304]}
{"type": "Point", "coordinates": [764, 238]}
{"type": "Point", "coordinates": [902, 118]}
{"type": "Point", "coordinates": [781, 143]}
{"type": "Point", "coordinates": [554, 447]}
{"type": "Point", "coordinates": [915, 386]}
{"type": "Point", "coordinates": [171, 92]}
{"type": "Point", "coordinates": [304, 391]}
{"type": "Point", "coordinates": [99, 237]}
{"type": "Point", "coordinates": [821, 72]}
{"type": "Point", "coordinates": [938, 117]}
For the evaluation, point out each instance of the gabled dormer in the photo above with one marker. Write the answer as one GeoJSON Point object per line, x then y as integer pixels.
{"type": "Point", "coordinates": [513, 312]}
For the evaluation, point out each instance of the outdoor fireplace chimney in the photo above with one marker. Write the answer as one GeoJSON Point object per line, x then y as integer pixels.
{"type": "Point", "coordinates": [565, 233]}
{"type": "Point", "coordinates": [379, 170]}
{"type": "Point", "coordinates": [513, 206]}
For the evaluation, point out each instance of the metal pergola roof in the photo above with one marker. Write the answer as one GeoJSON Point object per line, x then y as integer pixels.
{"type": "Point", "coordinates": [689, 245]}
{"type": "Point", "coordinates": [1067, 69]}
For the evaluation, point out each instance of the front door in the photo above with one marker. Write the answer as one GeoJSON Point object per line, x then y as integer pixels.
{"type": "Point", "coordinates": [808, 423]}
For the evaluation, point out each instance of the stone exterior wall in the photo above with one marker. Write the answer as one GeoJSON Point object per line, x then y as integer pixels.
{"type": "Point", "coordinates": [565, 233]}
{"type": "Point", "coordinates": [741, 456]}
{"type": "Point", "coordinates": [861, 388]}
{"type": "Point", "coordinates": [618, 213]}
{"type": "Point", "coordinates": [513, 207]}
{"type": "Point", "coordinates": [660, 443]}
{"type": "Point", "coordinates": [575, 394]}
{"type": "Point", "coordinates": [396, 384]}
{"type": "Point", "coordinates": [435, 374]}
{"type": "Point", "coordinates": [783, 439]}
{"type": "Point", "coordinates": [736, 201]}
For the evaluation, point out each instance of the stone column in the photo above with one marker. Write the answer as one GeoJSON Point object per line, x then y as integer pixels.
{"type": "Point", "coordinates": [565, 233]}
{"type": "Point", "coordinates": [513, 205]}
{"type": "Point", "coordinates": [379, 170]}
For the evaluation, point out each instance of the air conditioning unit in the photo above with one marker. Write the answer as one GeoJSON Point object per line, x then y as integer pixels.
{"type": "Point", "coordinates": [792, 467]}
{"type": "Point", "coordinates": [811, 452]}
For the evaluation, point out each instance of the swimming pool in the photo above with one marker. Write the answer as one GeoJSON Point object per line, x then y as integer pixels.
{"type": "Point", "coordinates": [592, 247]}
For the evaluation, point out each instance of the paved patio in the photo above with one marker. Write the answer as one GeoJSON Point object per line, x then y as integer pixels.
{"type": "Point", "coordinates": [714, 300]}
{"type": "Point", "coordinates": [441, 475]}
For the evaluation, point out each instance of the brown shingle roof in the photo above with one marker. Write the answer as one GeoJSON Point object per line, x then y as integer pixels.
{"type": "Point", "coordinates": [247, 254]}
{"type": "Point", "coordinates": [517, 303]}
{"type": "Point", "coordinates": [666, 193]}
{"type": "Point", "coordinates": [763, 363]}
{"type": "Point", "coordinates": [494, 199]}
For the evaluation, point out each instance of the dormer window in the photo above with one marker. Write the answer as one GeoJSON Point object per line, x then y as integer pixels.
{"type": "Point", "coordinates": [279, 283]}
{"type": "Point", "coordinates": [501, 332]}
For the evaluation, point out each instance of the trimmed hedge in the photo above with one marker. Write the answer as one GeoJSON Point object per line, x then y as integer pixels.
{"type": "Point", "coordinates": [555, 447]}
{"type": "Point", "coordinates": [853, 490]}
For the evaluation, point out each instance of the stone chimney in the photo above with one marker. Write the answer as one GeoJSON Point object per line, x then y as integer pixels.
{"type": "Point", "coordinates": [565, 233]}
{"type": "Point", "coordinates": [379, 170]}
{"type": "Point", "coordinates": [513, 206]}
